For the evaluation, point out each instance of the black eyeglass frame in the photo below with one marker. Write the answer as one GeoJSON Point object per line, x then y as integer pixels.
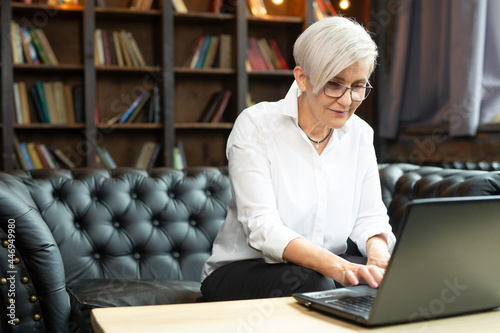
{"type": "Point", "coordinates": [368, 90]}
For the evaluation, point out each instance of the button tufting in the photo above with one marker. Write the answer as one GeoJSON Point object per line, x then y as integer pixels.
{"type": "Point", "coordinates": [176, 254]}
{"type": "Point", "coordinates": [78, 225]}
{"type": "Point", "coordinates": [137, 256]}
{"type": "Point", "coordinates": [37, 317]}
{"type": "Point", "coordinates": [116, 224]}
{"type": "Point", "coordinates": [171, 195]}
{"type": "Point", "coordinates": [97, 256]}
{"type": "Point", "coordinates": [133, 195]}
{"type": "Point", "coordinates": [156, 223]}
{"type": "Point", "coordinates": [3, 281]}
{"type": "Point", "coordinates": [33, 299]}
{"type": "Point", "coordinates": [25, 279]}
{"type": "Point", "coordinates": [5, 243]}
{"type": "Point", "coordinates": [193, 223]}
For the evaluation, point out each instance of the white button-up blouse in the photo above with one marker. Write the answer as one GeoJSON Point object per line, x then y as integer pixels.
{"type": "Point", "coordinates": [282, 189]}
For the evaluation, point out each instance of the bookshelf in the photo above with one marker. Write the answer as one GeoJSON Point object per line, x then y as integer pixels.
{"type": "Point", "coordinates": [166, 40]}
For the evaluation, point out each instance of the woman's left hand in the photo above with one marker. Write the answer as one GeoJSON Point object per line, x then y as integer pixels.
{"type": "Point", "coordinates": [377, 252]}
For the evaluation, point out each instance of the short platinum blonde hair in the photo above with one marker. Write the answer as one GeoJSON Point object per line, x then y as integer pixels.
{"type": "Point", "coordinates": [329, 46]}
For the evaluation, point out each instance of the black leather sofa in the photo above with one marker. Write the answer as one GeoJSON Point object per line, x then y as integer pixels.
{"type": "Point", "coordinates": [95, 238]}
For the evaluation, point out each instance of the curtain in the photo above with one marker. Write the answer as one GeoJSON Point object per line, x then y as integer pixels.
{"type": "Point", "coordinates": [445, 66]}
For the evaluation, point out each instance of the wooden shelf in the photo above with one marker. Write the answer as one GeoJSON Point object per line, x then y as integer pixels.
{"type": "Point", "coordinates": [44, 126]}
{"type": "Point", "coordinates": [194, 125]}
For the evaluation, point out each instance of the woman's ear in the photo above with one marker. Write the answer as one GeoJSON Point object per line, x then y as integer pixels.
{"type": "Point", "coordinates": [300, 78]}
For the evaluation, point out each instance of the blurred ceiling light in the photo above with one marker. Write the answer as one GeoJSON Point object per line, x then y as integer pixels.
{"type": "Point", "coordinates": [344, 4]}
{"type": "Point", "coordinates": [278, 2]}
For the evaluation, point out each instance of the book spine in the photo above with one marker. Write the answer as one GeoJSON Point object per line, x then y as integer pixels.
{"type": "Point", "coordinates": [131, 108]}
{"type": "Point", "coordinates": [43, 102]}
{"type": "Point", "coordinates": [17, 104]}
{"type": "Point", "coordinates": [26, 156]}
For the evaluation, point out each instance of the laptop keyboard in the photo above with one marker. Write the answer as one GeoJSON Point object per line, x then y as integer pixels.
{"type": "Point", "coordinates": [356, 304]}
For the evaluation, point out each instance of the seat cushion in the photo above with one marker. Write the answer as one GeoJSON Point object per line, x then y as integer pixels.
{"type": "Point", "coordinates": [89, 294]}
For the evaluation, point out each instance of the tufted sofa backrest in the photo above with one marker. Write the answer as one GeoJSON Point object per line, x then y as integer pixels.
{"type": "Point", "coordinates": [402, 183]}
{"type": "Point", "coordinates": [130, 223]}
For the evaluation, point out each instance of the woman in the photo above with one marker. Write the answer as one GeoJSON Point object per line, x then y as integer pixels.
{"type": "Point", "coordinates": [304, 178]}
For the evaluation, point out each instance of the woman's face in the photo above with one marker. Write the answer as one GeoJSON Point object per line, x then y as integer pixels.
{"type": "Point", "coordinates": [333, 112]}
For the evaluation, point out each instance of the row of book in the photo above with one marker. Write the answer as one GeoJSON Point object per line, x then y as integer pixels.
{"type": "Point", "coordinates": [257, 8]}
{"type": "Point", "coordinates": [117, 48]}
{"type": "Point", "coordinates": [322, 9]}
{"type": "Point", "coordinates": [264, 55]}
{"type": "Point", "coordinates": [211, 52]}
{"type": "Point", "coordinates": [215, 6]}
{"type": "Point", "coordinates": [31, 46]}
{"type": "Point", "coordinates": [54, 102]}
{"type": "Point", "coordinates": [32, 155]}
{"type": "Point", "coordinates": [215, 107]}
{"type": "Point", "coordinates": [133, 4]}
{"type": "Point", "coordinates": [145, 107]}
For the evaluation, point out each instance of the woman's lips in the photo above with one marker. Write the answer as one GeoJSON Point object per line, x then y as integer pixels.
{"type": "Point", "coordinates": [338, 113]}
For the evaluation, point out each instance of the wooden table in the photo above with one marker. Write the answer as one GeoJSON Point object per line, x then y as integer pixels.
{"type": "Point", "coordinates": [274, 315]}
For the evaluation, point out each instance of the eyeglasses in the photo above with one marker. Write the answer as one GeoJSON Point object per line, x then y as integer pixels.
{"type": "Point", "coordinates": [337, 90]}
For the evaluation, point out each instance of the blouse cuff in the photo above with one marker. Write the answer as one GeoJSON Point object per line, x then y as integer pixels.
{"type": "Point", "coordinates": [276, 242]}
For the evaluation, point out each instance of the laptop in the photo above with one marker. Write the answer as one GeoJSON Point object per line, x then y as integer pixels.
{"type": "Point", "coordinates": [445, 263]}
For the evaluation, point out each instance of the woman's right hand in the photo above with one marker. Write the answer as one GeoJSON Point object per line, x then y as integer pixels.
{"type": "Point", "coordinates": [349, 274]}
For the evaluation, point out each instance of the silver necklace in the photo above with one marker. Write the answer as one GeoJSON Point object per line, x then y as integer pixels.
{"type": "Point", "coordinates": [318, 142]}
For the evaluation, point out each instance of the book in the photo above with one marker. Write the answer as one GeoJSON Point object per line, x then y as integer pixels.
{"type": "Point", "coordinates": [154, 156]}
{"type": "Point", "coordinates": [122, 36]}
{"type": "Point", "coordinates": [211, 52]}
{"type": "Point", "coordinates": [99, 48]}
{"type": "Point", "coordinates": [225, 51]}
{"type": "Point", "coordinates": [257, 8]}
{"type": "Point", "coordinates": [196, 54]}
{"type": "Point", "coordinates": [43, 160]}
{"type": "Point", "coordinates": [128, 112]}
{"type": "Point", "coordinates": [177, 159]}
{"type": "Point", "coordinates": [23, 97]}
{"type": "Point", "coordinates": [19, 153]}
{"type": "Point", "coordinates": [29, 47]}
{"type": "Point", "coordinates": [17, 104]}
{"type": "Point", "coordinates": [78, 99]}
{"type": "Point", "coordinates": [222, 107]}
{"type": "Point", "coordinates": [279, 55]}
{"type": "Point", "coordinates": [139, 108]}
{"type": "Point", "coordinates": [203, 51]}
{"type": "Point", "coordinates": [25, 155]}
{"type": "Point", "coordinates": [118, 49]}
{"type": "Point", "coordinates": [136, 51]}
{"type": "Point", "coordinates": [179, 6]}
{"type": "Point", "coordinates": [106, 50]}
{"type": "Point", "coordinates": [43, 102]}
{"type": "Point", "coordinates": [51, 104]}
{"type": "Point", "coordinates": [46, 156]}
{"type": "Point", "coordinates": [211, 107]}
{"type": "Point", "coordinates": [69, 104]}
{"type": "Point", "coordinates": [61, 157]}
{"type": "Point", "coordinates": [46, 46]}
{"type": "Point", "coordinates": [157, 111]}
{"type": "Point", "coordinates": [17, 47]}
{"type": "Point", "coordinates": [38, 47]}
{"type": "Point", "coordinates": [182, 153]}
{"type": "Point", "coordinates": [35, 158]}
{"type": "Point", "coordinates": [105, 157]}
{"type": "Point", "coordinates": [145, 155]}
{"type": "Point", "coordinates": [59, 102]}
{"type": "Point", "coordinates": [37, 104]}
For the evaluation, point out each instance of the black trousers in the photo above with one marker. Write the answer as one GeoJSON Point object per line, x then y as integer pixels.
{"type": "Point", "coordinates": [254, 278]}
